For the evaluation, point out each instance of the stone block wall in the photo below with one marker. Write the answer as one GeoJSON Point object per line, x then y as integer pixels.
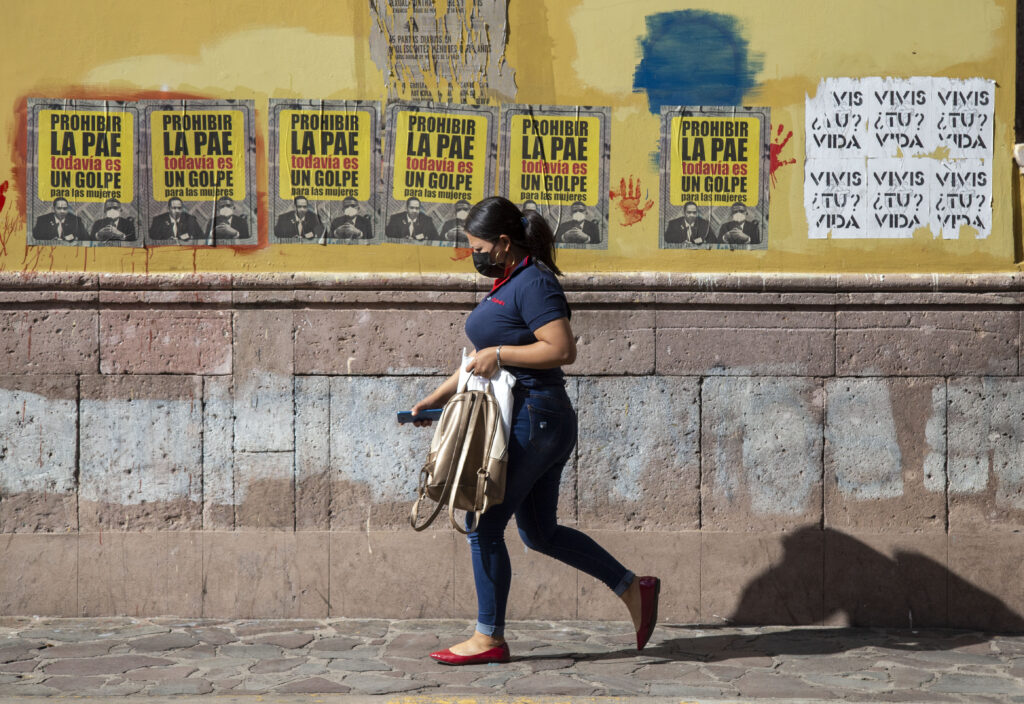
{"type": "Point", "coordinates": [790, 449]}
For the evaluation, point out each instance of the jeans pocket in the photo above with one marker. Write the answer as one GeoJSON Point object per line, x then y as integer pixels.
{"type": "Point", "coordinates": [545, 427]}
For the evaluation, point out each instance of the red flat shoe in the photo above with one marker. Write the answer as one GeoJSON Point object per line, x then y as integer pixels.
{"type": "Point", "coordinates": [498, 653]}
{"type": "Point", "coordinates": [650, 589]}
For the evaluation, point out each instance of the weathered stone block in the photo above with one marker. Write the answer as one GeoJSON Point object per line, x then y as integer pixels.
{"type": "Point", "coordinates": [265, 490]}
{"type": "Point", "coordinates": [218, 454]}
{"type": "Point", "coordinates": [38, 431]}
{"type": "Point", "coordinates": [737, 342]}
{"type": "Point", "coordinates": [138, 574]}
{"type": "Point", "coordinates": [312, 453]}
{"type": "Point", "coordinates": [613, 342]}
{"type": "Point", "coordinates": [762, 578]}
{"type": "Point", "coordinates": [885, 580]}
{"type": "Point", "coordinates": [885, 454]}
{"type": "Point", "coordinates": [761, 453]}
{"type": "Point", "coordinates": [926, 342]}
{"type": "Point", "coordinates": [263, 366]}
{"type": "Point", "coordinates": [638, 452]}
{"type": "Point", "coordinates": [369, 341]}
{"type": "Point", "coordinates": [674, 557]}
{"type": "Point", "coordinates": [165, 342]}
{"type": "Point", "coordinates": [249, 574]}
{"type": "Point", "coordinates": [986, 455]}
{"type": "Point", "coordinates": [986, 571]}
{"type": "Point", "coordinates": [363, 562]}
{"type": "Point", "coordinates": [49, 342]}
{"type": "Point", "coordinates": [141, 453]}
{"type": "Point", "coordinates": [46, 576]}
{"type": "Point", "coordinates": [375, 462]}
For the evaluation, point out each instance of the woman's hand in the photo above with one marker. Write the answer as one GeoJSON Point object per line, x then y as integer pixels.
{"type": "Point", "coordinates": [422, 406]}
{"type": "Point", "coordinates": [484, 362]}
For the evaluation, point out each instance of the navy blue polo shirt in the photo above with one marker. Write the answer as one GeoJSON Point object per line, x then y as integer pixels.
{"type": "Point", "coordinates": [528, 299]}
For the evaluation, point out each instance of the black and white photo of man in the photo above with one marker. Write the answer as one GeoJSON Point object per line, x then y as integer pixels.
{"type": "Point", "coordinates": [226, 225]}
{"type": "Point", "coordinates": [691, 228]}
{"type": "Point", "coordinates": [61, 224]}
{"type": "Point", "coordinates": [113, 226]}
{"type": "Point", "coordinates": [413, 224]}
{"type": "Point", "coordinates": [453, 230]}
{"type": "Point", "coordinates": [175, 224]}
{"type": "Point", "coordinates": [578, 230]}
{"type": "Point", "coordinates": [300, 223]}
{"type": "Point", "coordinates": [738, 229]}
{"type": "Point", "coordinates": [350, 225]}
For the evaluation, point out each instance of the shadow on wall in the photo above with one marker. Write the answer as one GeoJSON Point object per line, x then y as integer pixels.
{"type": "Point", "coordinates": [909, 590]}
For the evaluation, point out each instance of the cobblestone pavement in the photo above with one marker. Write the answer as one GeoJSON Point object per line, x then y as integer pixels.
{"type": "Point", "coordinates": [569, 660]}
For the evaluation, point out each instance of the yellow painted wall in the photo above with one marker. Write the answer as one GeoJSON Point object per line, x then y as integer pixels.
{"type": "Point", "coordinates": [564, 52]}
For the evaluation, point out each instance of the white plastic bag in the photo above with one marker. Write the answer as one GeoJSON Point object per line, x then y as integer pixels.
{"type": "Point", "coordinates": [500, 385]}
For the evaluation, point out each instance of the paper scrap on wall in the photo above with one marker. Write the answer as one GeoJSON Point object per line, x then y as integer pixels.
{"type": "Point", "coordinates": [82, 173]}
{"type": "Point", "coordinates": [323, 171]}
{"type": "Point", "coordinates": [199, 174]}
{"type": "Point", "coordinates": [555, 161]}
{"type": "Point", "coordinates": [446, 50]}
{"type": "Point", "coordinates": [714, 177]}
{"type": "Point", "coordinates": [439, 160]}
{"type": "Point", "coordinates": [887, 157]}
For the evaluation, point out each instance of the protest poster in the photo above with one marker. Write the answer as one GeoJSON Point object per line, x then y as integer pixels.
{"type": "Point", "coordinates": [200, 171]}
{"type": "Point", "coordinates": [324, 156]}
{"type": "Point", "coordinates": [888, 157]}
{"type": "Point", "coordinates": [82, 173]}
{"type": "Point", "coordinates": [714, 177]}
{"type": "Point", "coordinates": [555, 161]}
{"type": "Point", "coordinates": [439, 160]}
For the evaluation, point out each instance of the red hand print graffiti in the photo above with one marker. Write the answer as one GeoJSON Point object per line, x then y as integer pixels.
{"type": "Point", "coordinates": [778, 144]}
{"type": "Point", "coordinates": [3, 198]}
{"type": "Point", "coordinates": [629, 201]}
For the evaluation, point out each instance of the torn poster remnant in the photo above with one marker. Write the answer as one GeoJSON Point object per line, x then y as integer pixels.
{"type": "Point", "coordinates": [451, 51]}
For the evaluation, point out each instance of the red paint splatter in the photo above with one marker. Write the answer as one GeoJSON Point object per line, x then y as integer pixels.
{"type": "Point", "coordinates": [629, 201]}
{"type": "Point", "coordinates": [3, 198]}
{"type": "Point", "coordinates": [461, 253]}
{"type": "Point", "coordinates": [778, 144]}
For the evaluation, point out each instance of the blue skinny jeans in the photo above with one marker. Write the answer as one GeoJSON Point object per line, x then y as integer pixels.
{"type": "Point", "coordinates": [543, 436]}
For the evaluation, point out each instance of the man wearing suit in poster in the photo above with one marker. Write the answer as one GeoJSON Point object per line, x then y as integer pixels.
{"type": "Point", "coordinates": [689, 229]}
{"type": "Point", "coordinates": [301, 223]}
{"type": "Point", "coordinates": [225, 224]}
{"type": "Point", "coordinates": [453, 230]}
{"type": "Point", "coordinates": [578, 230]}
{"type": "Point", "coordinates": [413, 224]}
{"type": "Point", "coordinates": [61, 224]}
{"type": "Point", "coordinates": [350, 225]}
{"type": "Point", "coordinates": [737, 229]}
{"type": "Point", "coordinates": [113, 227]}
{"type": "Point", "coordinates": [175, 224]}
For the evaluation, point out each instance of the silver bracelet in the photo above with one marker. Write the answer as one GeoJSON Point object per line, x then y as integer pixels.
{"type": "Point", "coordinates": [497, 355]}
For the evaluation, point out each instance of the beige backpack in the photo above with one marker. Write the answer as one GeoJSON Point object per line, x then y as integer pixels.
{"type": "Point", "coordinates": [465, 467]}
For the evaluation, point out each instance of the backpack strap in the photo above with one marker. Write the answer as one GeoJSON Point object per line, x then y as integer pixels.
{"type": "Point", "coordinates": [454, 486]}
{"type": "Point", "coordinates": [414, 513]}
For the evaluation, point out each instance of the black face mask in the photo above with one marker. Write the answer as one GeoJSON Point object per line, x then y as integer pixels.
{"type": "Point", "coordinates": [482, 262]}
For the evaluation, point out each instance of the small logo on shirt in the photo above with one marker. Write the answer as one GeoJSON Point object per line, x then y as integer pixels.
{"type": "Point", "coordinates": [497, 300]}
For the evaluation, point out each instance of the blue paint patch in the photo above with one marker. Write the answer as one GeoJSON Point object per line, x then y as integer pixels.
{"type": "Point", "coordinates": [694, 57]}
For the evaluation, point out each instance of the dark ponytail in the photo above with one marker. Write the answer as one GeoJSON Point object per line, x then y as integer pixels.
{"type": "Point", "coordinates": [496, 216]}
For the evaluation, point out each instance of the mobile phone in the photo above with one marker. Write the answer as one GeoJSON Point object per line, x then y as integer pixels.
{"type": "Point", "coordinates": [426, 414]}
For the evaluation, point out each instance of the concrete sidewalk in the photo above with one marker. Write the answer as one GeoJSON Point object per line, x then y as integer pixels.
{"type": "Point", "coordinates": [357, 660]}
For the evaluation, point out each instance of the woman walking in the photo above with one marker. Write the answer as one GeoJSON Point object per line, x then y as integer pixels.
{"type": "Point", "coordinates": [523, 326]}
